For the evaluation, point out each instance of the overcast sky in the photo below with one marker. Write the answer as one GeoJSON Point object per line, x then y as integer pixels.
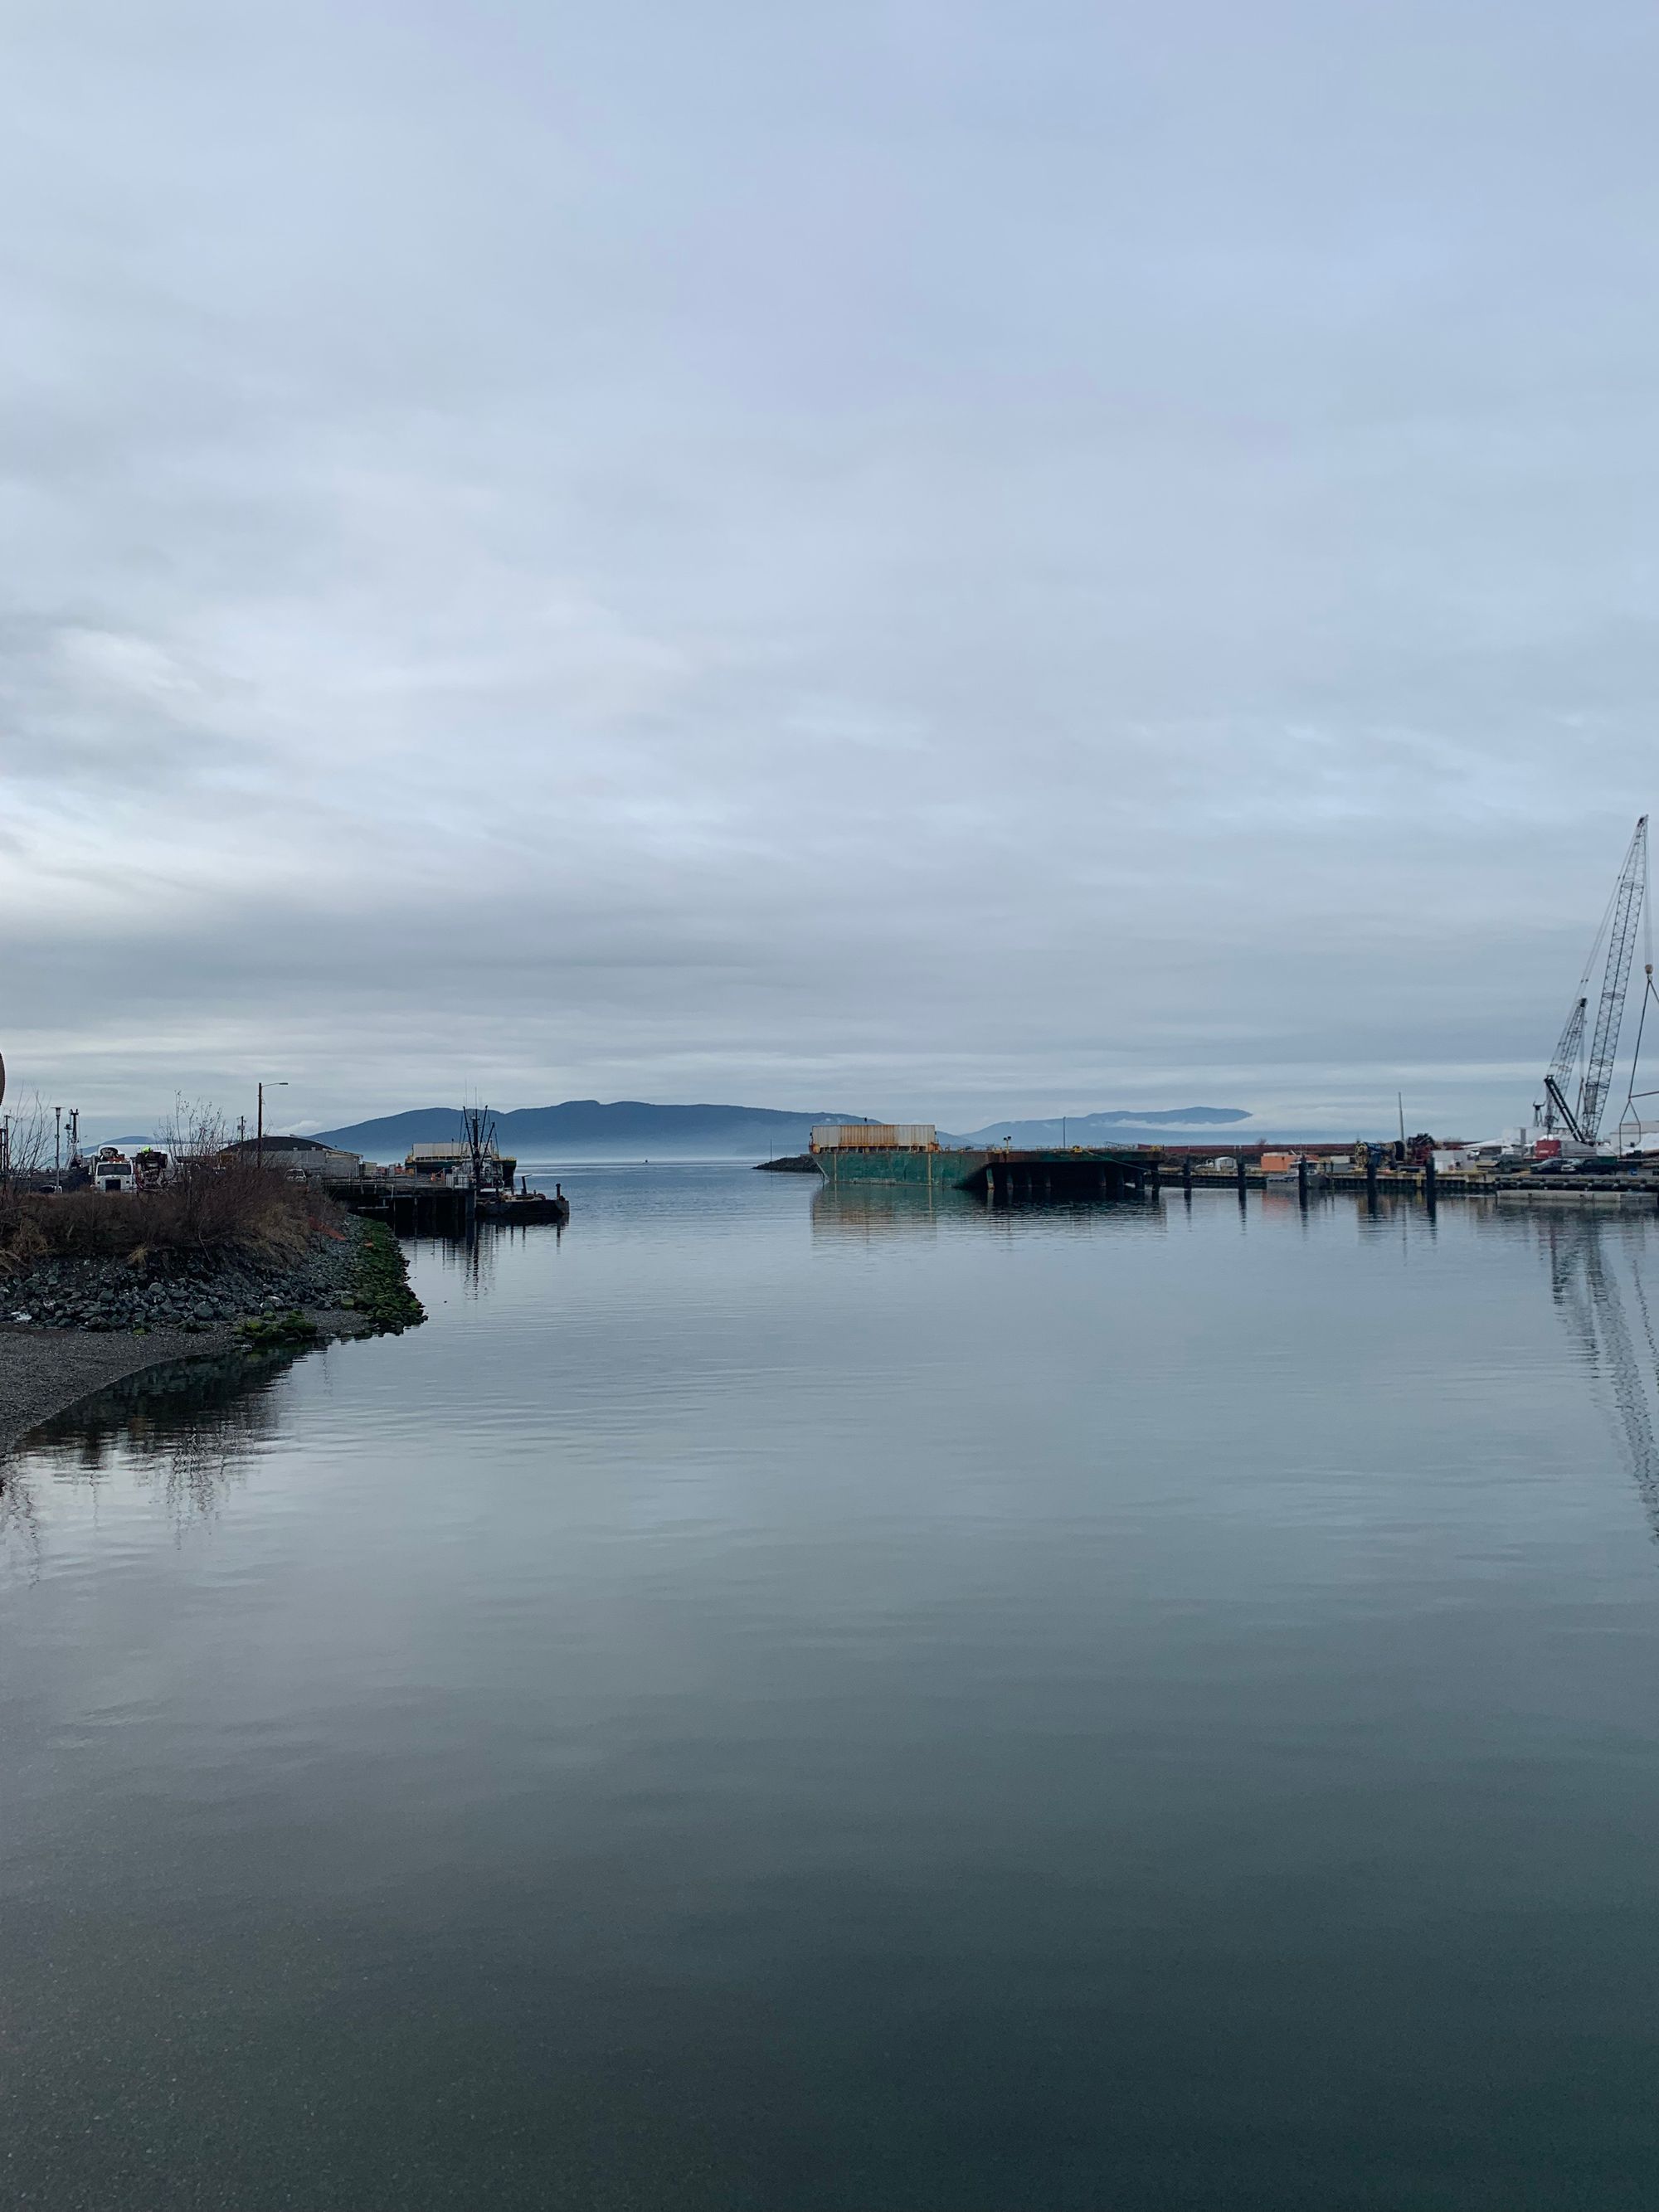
{"type": "Point", "coordinates": [937, 559]}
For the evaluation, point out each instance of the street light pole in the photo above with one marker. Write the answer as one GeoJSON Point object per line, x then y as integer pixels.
{"type": "Point", "coordinates": [260, 1142]}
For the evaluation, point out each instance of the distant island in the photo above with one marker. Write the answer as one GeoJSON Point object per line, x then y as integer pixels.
{"type": "Point", "coordinates": [1139, 1127]}
{"type": "Point", "coordinates": [632, 1128]}
{"type": "Point", "coordinates": [586, 1128]}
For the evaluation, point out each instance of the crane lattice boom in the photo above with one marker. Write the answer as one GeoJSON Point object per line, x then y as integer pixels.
{"type": "Point", "coordinates": [1626, 918]}
{"type": "Point", "coordinates": [1556, 1108]}
{"type": "Point", "coordinates": [1582, 1118]}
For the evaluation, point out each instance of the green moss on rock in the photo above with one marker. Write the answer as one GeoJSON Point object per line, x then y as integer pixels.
{"type": "Point", "coordinates": [380, 1289]}
{"type": "Point", "coordinates": [277, 1331]}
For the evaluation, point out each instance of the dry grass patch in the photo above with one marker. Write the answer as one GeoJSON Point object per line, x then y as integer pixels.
{"type": "Point", "coordinates": [238, 1208]}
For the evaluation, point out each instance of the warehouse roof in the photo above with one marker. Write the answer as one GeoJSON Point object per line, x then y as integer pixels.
{"type": "Point", "coordinates": [280, 1144]}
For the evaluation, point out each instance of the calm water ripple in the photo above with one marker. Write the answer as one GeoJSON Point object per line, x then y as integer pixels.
{"type": "Point", "coordinates": [769, 1701]}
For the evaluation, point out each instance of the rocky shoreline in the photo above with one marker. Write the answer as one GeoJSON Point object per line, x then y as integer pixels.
{"type": "Point", "coordinates": [70, 1327]}
{"type": "Point", "coordinates": [193, 1292]}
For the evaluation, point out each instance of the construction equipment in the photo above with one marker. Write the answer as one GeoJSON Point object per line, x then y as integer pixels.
{"type": "Point", "coordinates": [1582, 1117]}
{"type": "Point", "coordinates": [1555, 1112]}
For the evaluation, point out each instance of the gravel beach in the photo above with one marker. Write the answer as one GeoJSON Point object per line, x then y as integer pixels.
{"type": "Point", "coordinates": [45, 1370]}
{"type": "Point", "coordinates": [68, 1327]}
{"type": "Point", "coordinates": [42, 1371]}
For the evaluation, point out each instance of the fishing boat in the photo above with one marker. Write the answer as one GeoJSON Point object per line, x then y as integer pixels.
{"type": "Point", "coordinates": [476, 1158]}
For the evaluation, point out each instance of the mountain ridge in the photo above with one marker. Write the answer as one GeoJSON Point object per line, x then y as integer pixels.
{"type": "Point", "coordinates": [630, 1127]}
{"type": "Point", "coordinates": [636, 1124]}
{"type": "Point", "coordinates": [1119, 1126]}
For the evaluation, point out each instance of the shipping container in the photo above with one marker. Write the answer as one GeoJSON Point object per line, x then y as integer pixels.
{"type": "Point", "coordinates": [885, 1136]}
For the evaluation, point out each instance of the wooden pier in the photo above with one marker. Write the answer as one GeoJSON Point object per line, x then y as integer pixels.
{"type": "Point", "coordinates": [1058, 1177]}
{"type": "Point", "coordinates": [409, 1207]}
{"type": "Point", "coordinates": [1423, 1184]}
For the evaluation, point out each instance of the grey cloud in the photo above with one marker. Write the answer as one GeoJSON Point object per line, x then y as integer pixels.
{"type": "Point", "coordinates": [952, 560]}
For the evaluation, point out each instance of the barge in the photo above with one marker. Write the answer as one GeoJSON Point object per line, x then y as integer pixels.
{"type": "Point", "coordinates": [849, 1153]}
{"type": "Point", "coordinates": [518, 1208]}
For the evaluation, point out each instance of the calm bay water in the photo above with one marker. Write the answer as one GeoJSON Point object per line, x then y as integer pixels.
{"type": "Point", "coordinates": [773, 1702]}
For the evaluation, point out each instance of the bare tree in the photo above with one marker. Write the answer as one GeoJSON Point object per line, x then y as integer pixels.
{"type": "Point", "coordinates": [29, 1147]}
{"type": "Point", "coordinates": [213, 1198]}
{"type": "Point", "coordinates": [195, 1135]}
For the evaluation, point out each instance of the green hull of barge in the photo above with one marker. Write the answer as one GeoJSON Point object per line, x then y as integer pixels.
{"type": "Point", "coordinates": [922, 1166]}
{"type": "Point", "coordinates": [1087, 1172]}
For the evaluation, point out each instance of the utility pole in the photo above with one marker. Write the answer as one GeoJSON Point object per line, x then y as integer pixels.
{"type": "Point", "coordinates": [58, 1142]}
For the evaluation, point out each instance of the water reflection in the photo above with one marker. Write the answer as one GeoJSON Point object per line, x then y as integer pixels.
{"type": "Point", "coordinates": [1209, 1657]}
{"type": "Point", "coordinates": [872, 1210]}
{"type": "Point", "coordinates": [877, 1209]}
{"type": "Point", "coordinates": [185, 1433]}
{"type": "Point", "coordinates": [19, 1519]}
{"type": "Point", "coordinates": [472, 1260]}
{"type": "Point", "coordinates": [1591, 1261]}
